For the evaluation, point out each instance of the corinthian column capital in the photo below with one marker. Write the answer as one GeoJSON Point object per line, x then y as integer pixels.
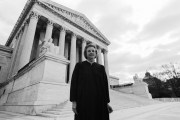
{"type": "Point", "coordinates": [34, 15]}
{"type": "Point", "coordinates": [50, 22]}
{"type": "Point", "coordinates": [74, 35]}
{"type": "Point", "coordinates": [104, 51]}
{"type": "Point", "coordinates": [63, 29]}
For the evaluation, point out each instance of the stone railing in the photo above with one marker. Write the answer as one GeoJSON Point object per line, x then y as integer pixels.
{"type": "Point", "coordinates": [168, 99]}
{"type": "Point", "coordinates": [138, 88]}
{"type": "Point", "coordinates": [113, 80]}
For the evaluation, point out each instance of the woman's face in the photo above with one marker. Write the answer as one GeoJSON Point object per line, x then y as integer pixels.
{"type": "Point", "coordinates": [91, 53]}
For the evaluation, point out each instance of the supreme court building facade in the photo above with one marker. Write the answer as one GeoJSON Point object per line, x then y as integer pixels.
{"type": "Point", "coordinates": [40, 55]}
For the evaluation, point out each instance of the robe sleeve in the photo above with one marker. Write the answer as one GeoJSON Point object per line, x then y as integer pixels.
{"type": "Point", "coordinates": [106, 87]}
{"type": "Point", "coordinates": [74, 83]}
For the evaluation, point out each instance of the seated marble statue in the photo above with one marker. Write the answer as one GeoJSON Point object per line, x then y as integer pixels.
{"type": "Point", "coordinates": [56, 49]}
{"type": "Point", "coordinates": [47, 45]}
{"type": "Point", "coordinates": [137, 79]}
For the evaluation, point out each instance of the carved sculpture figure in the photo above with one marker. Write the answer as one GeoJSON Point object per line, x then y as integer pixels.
{"type": "Point", "coordinates": [136, 78]}
{"type": "Point", "coordinates": [47, 46]}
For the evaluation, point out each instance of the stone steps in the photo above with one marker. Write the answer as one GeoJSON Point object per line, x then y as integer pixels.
{"type": "Point", "coordinates": [57, 112]}
{"type": "Point", "coordinates": [60, 111]}
{"type": "Point", "coordinates": [49, 115]}
{"type": "Point", "coordinates": [119, 101]}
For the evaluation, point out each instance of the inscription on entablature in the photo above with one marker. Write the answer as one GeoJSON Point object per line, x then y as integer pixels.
{"type": "Point", "coordinates": [76, 19]}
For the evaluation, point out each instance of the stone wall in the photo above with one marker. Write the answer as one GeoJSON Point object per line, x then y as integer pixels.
{"type": "Point", "coordinates": [124, 89]}
{"type": "Point", "coordinates": [5, 59]}
{"type": "Point", "coordinates": [139, 88]}
{"type": "Point", "coordinates": [37, 87]}
{"type": "Point", "coordinates": [113, 80]}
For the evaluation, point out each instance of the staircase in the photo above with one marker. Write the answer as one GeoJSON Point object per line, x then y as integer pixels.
{"type": "Point", "coordinates": [119, 101]}
{"type": "Point", "coordinates": [63, 110]}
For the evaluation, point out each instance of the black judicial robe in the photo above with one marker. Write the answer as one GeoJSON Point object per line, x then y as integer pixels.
{"type": "Point", "coordinates": [89, 88]}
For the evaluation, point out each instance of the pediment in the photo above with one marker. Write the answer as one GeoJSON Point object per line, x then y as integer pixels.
{"type": "Point", "coordinates": [77, 18]}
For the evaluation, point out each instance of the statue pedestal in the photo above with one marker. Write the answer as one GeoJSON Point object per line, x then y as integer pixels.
{"type": "Point", "coordinates": [38, 86]}
{"type": "Point", "coordinates": [141, 89]}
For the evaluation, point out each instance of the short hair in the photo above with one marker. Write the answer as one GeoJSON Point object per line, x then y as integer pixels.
{"type": "Point", "coordinates": [87, 46]}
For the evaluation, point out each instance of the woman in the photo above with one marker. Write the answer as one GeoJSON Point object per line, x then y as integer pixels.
{"type": "Point", "coordinates": [89, 91]}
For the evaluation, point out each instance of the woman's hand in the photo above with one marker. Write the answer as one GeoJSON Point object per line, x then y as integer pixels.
{"type": "Point", "coordinates": [74, 105]}
{"type": "Point", "coordinates": [110, 110]}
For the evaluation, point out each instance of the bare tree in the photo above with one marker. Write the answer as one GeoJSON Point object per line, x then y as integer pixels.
{"type": "Point", "coordinates": [172, 73]}
{"type": "Point", "coordinates": [169, 73]}
{"type": "Point", "coordinates": [171, 70]}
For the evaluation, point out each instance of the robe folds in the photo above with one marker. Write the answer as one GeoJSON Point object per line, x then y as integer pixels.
{"type": "Point", "coordinates": [89, 89]}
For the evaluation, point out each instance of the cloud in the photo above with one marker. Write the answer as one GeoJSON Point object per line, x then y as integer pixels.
{"type": "Point", "coordinates": [114, 26]}
{"type": "Point", "coordinates": [165, 21]}
{"type": "Point", "coordinates": [8, 16]}
{"type": "Point", "coordinates": [5, 32]}
{"type": "Point", "coordinates": [110, 16]}
{"type": "Point", "coordinates": [142, 35]}
{"type": "Point", "coordinates": [122, 63]}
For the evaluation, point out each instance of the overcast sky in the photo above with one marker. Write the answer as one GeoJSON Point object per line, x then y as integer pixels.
{"type": "Point", "coordinates": [143, 33]}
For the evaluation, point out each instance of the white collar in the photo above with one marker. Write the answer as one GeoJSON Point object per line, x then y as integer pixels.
{"type": "Point", "coordinates": [90, 62]}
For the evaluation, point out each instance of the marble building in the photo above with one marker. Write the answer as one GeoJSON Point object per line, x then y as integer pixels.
{"type": "Point", "coordinates": [38, 59]}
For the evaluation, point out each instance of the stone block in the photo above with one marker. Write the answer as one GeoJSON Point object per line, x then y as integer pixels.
{"type": "Point", "coordinates": [4, 92]}
{"type": "Point", "coordinates": [30, 93]}
{"type": "Point", "coordinates": [9, 87]}
{"type": "Point", "coordinates": [126, 89]}
{"type": "Point", "coordinates": [16, 96]}
{"type": "Point", "coordinates": [21, 82]}
{"type": "Point", "coordinates": [37, 98]}
{"type": "Point", "coordinates": [22, 96]}
{"type": "Point", "coordinates": [20, 109]}
{"type": "Point", "coordinates": [52, 93]}
{"type": "Point", "coordinates": [54, 72]}
{"type": "Point", "coordinates": [3, 99]}
{"type": "Point", "coordinates": [37, 72]}
{"type": "Point", "coordinates": [4, 68]}
{"type": "Point", "coordinates": [141, 89]}
{"type": "Point", "coordinates": [26, 109]}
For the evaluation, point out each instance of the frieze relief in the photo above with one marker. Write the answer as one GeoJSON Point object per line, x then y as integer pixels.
{"type": "Point", "coordinates": [76, 19]}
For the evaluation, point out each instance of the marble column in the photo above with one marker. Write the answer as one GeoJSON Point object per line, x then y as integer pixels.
{"type": "Point", "coordinates": [83, 47]}
{"type": "Point", "coordinates": [40, 43]}
{"type": "Point", "coordinates": [22, 45]}
{"type": "Point", "coordinates": [49, 29]}
{"type": "Point", "coordinates": [15, 58]}
{"type": "Point", "coordinates": [62, 41]}
{"type": "Point", "coordinates": [42, 36]}
{"type": "Point", "coordinates": [72, 55]}
{"type": "Point", "coordinates": [99, 56]}
{"type": "Point", "coordinates": [28, 42]}
{"type": "Point", "coordinates": [106, 64]}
